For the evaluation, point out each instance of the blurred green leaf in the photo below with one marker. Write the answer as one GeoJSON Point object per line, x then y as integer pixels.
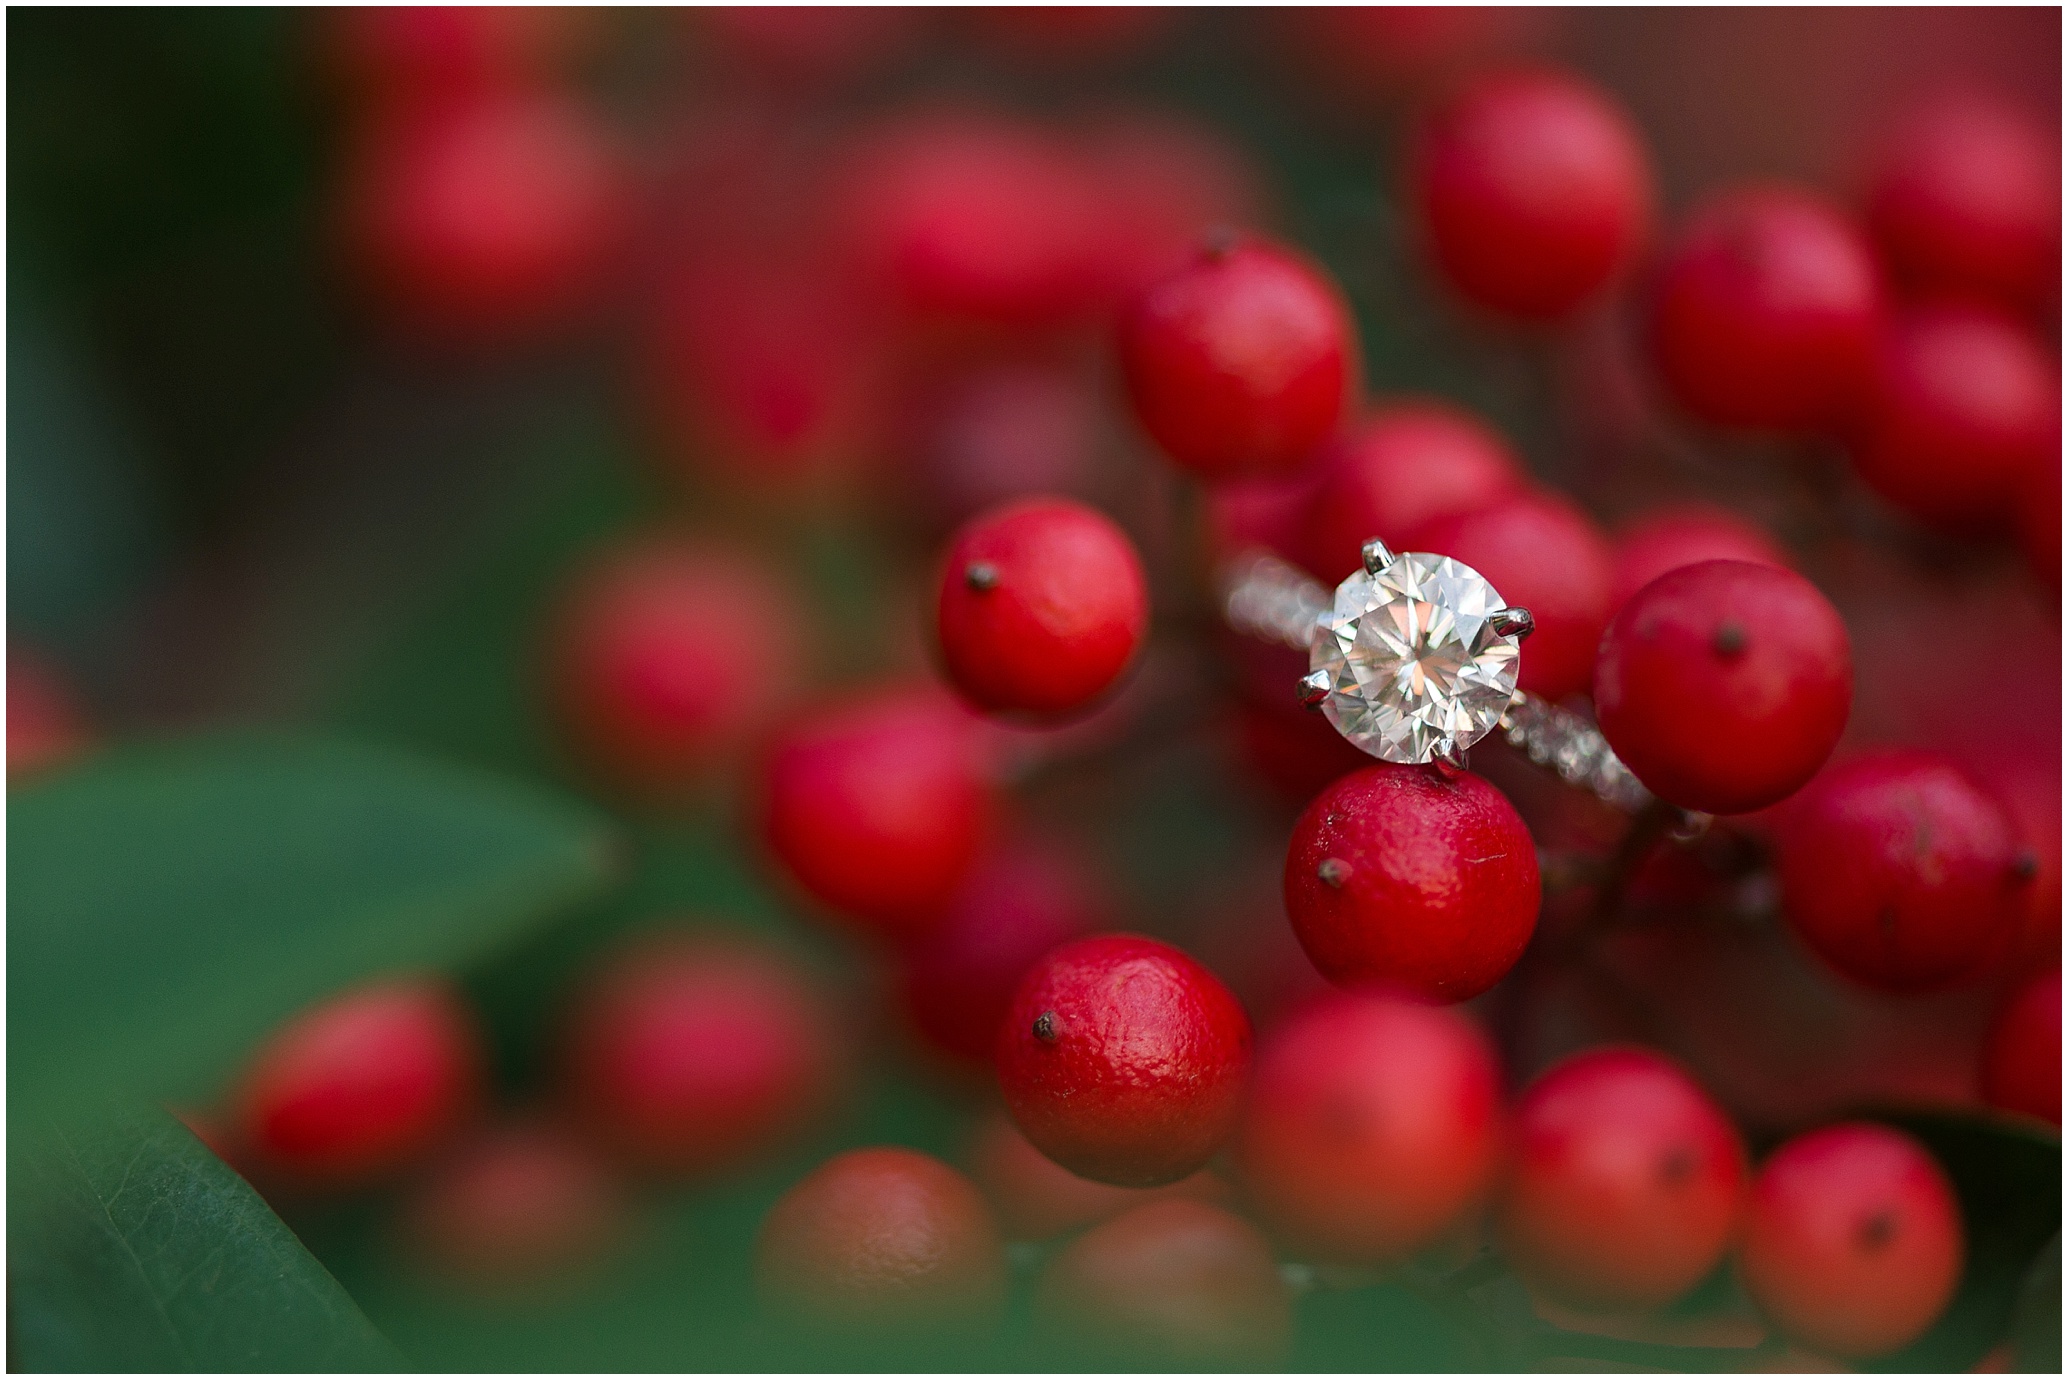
{"type": "Point", "coordinates": [2008, 1175]}
{"type": "Point", "coordinates": [135, 1249]}
{"type": "Point", "coordinates": [170, 903]}
{"type": "Point", "coordinates": [2036, 1328]}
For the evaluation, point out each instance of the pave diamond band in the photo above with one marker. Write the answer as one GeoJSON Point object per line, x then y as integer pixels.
{"type": "Point", "coordinates": [1415, 658]}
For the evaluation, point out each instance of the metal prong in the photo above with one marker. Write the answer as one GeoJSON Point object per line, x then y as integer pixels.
{"type": "Point", "coordinates": [1449, 753]}
{"type": "Point", "coordinates": [1314, 688]}
{"type": "Point", "coordinates": [1517, 622]}
{"type": "Point", "coordinates": [1376, 556]}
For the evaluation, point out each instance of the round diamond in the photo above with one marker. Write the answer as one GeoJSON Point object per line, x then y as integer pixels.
{"type": "Point", "coordinates": [1413, 663]}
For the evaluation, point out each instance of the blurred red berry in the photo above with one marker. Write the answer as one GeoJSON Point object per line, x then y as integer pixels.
{"type": "Point", "coordinates": [1679, 534]}
{"type": "Point", "coordinates": [1038, 1199]}
{"type": "Point", "coordinates": [1533, 189]}
{"type": "Point", "coordinates": [1542, 552]}
{"type": "Point", "coordinates": [1418, 878]}
{"type": "Point", "coordinates": [46, 727]}
{"type": "Point", "coordinates": [2021, 1062]}
{"type": "Point", "coordinates": [976, 217]}
{"type": "Point", "coordinates": [1245, 515]}
{"type": "Point", "coordinates": [1765, 310]}
{"type": "Point", "coordinates": [882, 1238]}
{"type": "Point", "coordinates": [1177, 1282]}
{"type": "Point", "coordinates": [1042, 605]}
{"type": "Point", "coordinates": [1406, 465]}
{"type": "Point", "coordinates": [1016, 906]}
{"type": "Point", "coordinates": [1627, 1181]}
{"type": "Point", "coordinates": [1003, 430]}
{"type": "Point", "coordinates": [1725, 685]}
{"type": "Point", "coordinates": [360, 1086]}
{"type": "Point", "coordinates": [2039, 524]}
{"type": "Point", "coordinates": [1164, 182]}
{"type": "Point", "coordinates": [668, 653]}
{"type": "Point", "coordinates": [692, 1055]}
{"type": "Point", "coordinates": [880, 806]}
{"type": "Point", "coordinates": [443, 52]}
{"type": "Point", "coordinates": [1066, 36]}
{"type": "Point", "coordinates": [2028, 784]}
{"type": "Point", "coordinates": [1240, 361]}
{"type": "Point", "coordinates": [1372, 1128]}
{"type": "Point", "coordinates": [1899, 871]}
{"type": "Point", "coordinates": [486, 221]}
{"type": "Point", "coordinates": [1124, 1060]}
{"type": "Point", "coordinates": [522, 1206]}
{"type": "Point", "coordinates": [1363, 54]}
{"type": "Point", "coordinates": [1853, 1240]}
{"type": "Point", "coordinates": [1964, 196]}
{"type": "Point", "coordinates": [1966, 408]}
{"type": "Point", "coordinates": [810, 45]}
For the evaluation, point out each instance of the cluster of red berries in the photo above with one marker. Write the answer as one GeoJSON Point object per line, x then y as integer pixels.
{"type": "Point", "coordinates": [946, 283]}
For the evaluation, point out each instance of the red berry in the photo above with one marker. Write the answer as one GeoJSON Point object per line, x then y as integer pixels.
{"type": "Point", "coordinates": [1853, 1240]}
{"type": "Point", "coordinates": [436, 52]}
{"type": "Point", "coordinates": [1239, 361]}
{"type": "Point", "coordinates": [519, 1207]}
{"type": "Point", "coordinates": [2029, 786]}
{"type": "Point", "coordinates": [1407, 465]}
{"type": "Point", "coordinates": [361, 1085]}
{"type": "Point", "coordinates": [668, 653]}
{"type": "Point", "coordinates": [1899, 872]}
{"type": "Point", "coordinates": [880, 807]}
{"type": "Point", "coordinates": [2039, 524]}
{"type": "Point", "coordinates": [1124, 1060]}
{"type": "Point", "coordinates": [1067, 36]}
{"type": "Point", "coordinates": [694, 1054]}
{"type": "Point", "coordinates": [1966, 408]}
{"type": "Point", "coordinates": [1765, 311]}
{"type": "Point", "coordinates": [487, 219]}
{"type": "Point", "coordinates": [1373, 1127]}
{"type": "Point", "coordinates": [2021, 1063]}
{"type": "Point", "coordinates": [1416, 878]}
{"type": "Point", "coordinates": [977, 217]}
{"type": "Point", "coordinates": [1177, 1282]}
{"type": "Point", "coordinates": [1681, 534]}
{"type": "Point", "coordinates": [810, 45]}
{"type": "Point", "coordinates": [1038, 1199]}
{"type": "Point", "coordinates": [882, 1238]}
{"type": "Point", "coordinates": [1546, 555]}
{"type": "Point", "coordinates": [1533, 189]}
{"type": "Point", "coordinates": [1016, 906]}
{"type": "Point", "coordinates": [45, 725]}
{"type": "Point", "coordinates": [1366, 54]}
{"type": "Point", "coordinates": [1965, 196]}
{"type": "Point", "coordinates": [1042, 605]}
{"type": "Point", "coordinates": [1724, 686]}
{"type": "Point", "coordinates": [1627, 1181]}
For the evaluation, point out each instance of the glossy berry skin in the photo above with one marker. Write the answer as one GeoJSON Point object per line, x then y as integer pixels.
{"type": "Point", "coordinates": [1174, 1283]}
{"type": "Point", "coordinates": [1373, 1126]}
{"type": "Point", "coordinates": [1670, 537]}
{"type": "Point", "coordinates": [1965, 408]}
{"type": "Point", "coordinates": [1627, 1181]}
{"type": "Point", "coordinates": [1543, 553]}
{"type": "Point", "coordinates": [1533, 190]}
{"type": "Point", "coordinates": [1764, 311]}
{"type": "Point", "coordinates": [1899, 872]}
{"type": "Point", "coordinates": [1239, 362]}
{"type": "Point", "coordinates": [45, 726]}
{"type": "Point", "coordinates": [691, 1055]}
{"type": "Point", "coordinates": [880, 807]}
{"type": "Point", "coordinates": [1124, 1060]}
{"type": "Point", "coordinates": [1420, 879]}
{"type": "Point", "coordinates": [667, 654]}
{"type": "Point", "coordinates": [2021, 1061]}
{"type": "Point", "coordinates": [1964, 197]}
{"type": "Point", "coordinates": [1037, 1199]}
{"type": "Point", "coordinates": [1042, 605]}
{"type": "Point", "coordinates": [1853, 1240]}
{"type": "Point", "coordinates": [486, 220]}
{"type": "Point", "coordinates": [360, 1086]}
{"type": "Point", "coordinates": [882, 1238]}
{"type": "Point", "coordinates": [1404, 466]}
{"type": "Point", "coordinates": [1017, 905]}
{"type": "Point", "coordinates": [516, 1209]}
{"type": "Point", "coordinates": [1724, 685]}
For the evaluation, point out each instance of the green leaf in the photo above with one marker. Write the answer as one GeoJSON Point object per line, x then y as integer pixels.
{"type": "Point", "coordinates": [134, 1248]}
{"type": "Point", "coordinates": [170, 903]}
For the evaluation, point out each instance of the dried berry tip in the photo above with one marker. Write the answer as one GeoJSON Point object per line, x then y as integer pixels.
{"type": "Point", "coordinates": [1045, 1026]}
{"type": "Point", "coordinates": [2025, 866]}
{"type": "Point", "coordinates": [1877, 1231]}
{"type": "Point", "coordinates": [1729, 640]}
{"type": "Point", "coordinates": [1218, 242]}
{"type": "Point", "coordinates": [981, 576]}
{"type": "Point", "coordinates": [1334, 871]}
